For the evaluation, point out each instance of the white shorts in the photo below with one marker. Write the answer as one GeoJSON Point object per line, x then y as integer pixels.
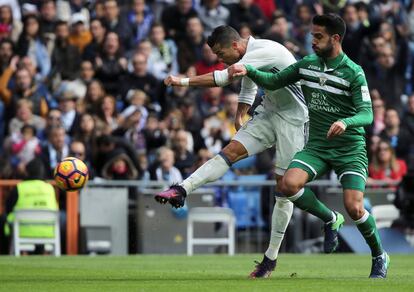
{"type": "Point", "coordinates": [266, 129]}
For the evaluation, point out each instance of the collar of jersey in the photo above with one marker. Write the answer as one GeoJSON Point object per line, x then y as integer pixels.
{"type": "Point", "coordinates": [332, 64]}
{"type": "Point", "coordinates": [250, 42]}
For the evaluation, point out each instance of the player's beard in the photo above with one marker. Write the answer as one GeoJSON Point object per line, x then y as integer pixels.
{"type": "Point", "coordinates": [325, 52]}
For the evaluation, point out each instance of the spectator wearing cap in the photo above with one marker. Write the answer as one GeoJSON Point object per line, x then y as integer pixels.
{"type": "Point", "coordinates": [80, 36]}
{"type": "Point", "coordinates": [9, 27]}
{"type": "Point", "coordinates": [70, 117]}
{"type": "Point", "coordinates": [98, 31]}
{"type": "Point", "coordinates": [141, 79]}
{"type": "Point", "coordinates": [30, 44]}
{"type": "Point", "coordinates": [65, 57]}
{"type": "Point", "coordinates": [111, 65]}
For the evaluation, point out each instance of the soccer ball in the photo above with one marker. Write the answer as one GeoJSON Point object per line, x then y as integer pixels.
{"type": "Point", "coordinates": [71, 174]}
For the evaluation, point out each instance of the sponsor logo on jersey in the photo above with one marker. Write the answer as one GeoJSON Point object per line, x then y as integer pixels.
{"type": "Point", "coordinates": [319, 102]}
{"type": "Point", "coordinates": [314, 67]}
{"type": "Point", "coordinates": [322, 81]}
{"type": "Point", "coordinates": [365, 93]}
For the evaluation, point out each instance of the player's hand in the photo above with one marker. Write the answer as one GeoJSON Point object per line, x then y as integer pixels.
{"type": "Point", "coordinates": [336, 129]}
{"type": "Point", "coordinates": [236, 70]}
{"type": "Point", "coordinates": [172, 81]}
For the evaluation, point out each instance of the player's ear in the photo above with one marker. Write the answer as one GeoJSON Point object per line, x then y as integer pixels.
{"type": "Point", "coordinates": [234, 45]}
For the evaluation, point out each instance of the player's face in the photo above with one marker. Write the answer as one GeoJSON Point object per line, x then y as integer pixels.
{"type": "Point", "coordinates": [322, 41]}
{"type": "Point", "coordinates": [228, 55]}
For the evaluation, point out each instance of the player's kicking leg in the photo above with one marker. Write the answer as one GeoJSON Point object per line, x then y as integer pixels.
{"type": "Point", "coordinates": [210, 171]}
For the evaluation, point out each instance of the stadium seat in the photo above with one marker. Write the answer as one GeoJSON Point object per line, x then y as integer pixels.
{"type": "Point", "coordinates": [211, 215]}
{"type": "Point", "coordinates": [384, 215]}
{"type": "Point", "coordinates": [36, 217]}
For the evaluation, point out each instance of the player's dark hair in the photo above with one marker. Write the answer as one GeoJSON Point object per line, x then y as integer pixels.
{"type": "Point", "coordinates": [223, 35]}
{"type": "Point", "coordinates": [333, 23]}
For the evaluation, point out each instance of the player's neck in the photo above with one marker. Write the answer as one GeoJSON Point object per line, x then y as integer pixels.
{"type": "Point", "coordinates": [335, 53]}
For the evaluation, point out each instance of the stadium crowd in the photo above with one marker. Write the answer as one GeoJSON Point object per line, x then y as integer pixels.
{"type": "Point", "coordinates": [85, 78]}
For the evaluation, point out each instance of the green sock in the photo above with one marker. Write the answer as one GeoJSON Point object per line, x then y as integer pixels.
{"type": "Point", "coordinates": [307, 201]}
{"type": "Point", "coordinates": [369, 231]}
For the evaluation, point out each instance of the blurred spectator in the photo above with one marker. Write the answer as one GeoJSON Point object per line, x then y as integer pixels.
{"type": "Point", "coordinates": [267, 7]}
{"type": "Point", "coordinates": [356, 32]}
{"type": "Point", "coordinates": [86, 133]}
{"type": "Point", "coordinates": [78, 149]}
{"type": "Point", "coordinates": [118, 23]}
{"type": "Point", "coordinates": [228, 114]}
{"type": "Point", "coordinates": [155, 135]}
{"type": "Point", "coordinates": [65, 57]}
{"type": "Point", "coordinates": [70, 117]}
{"type": "Point", "coordinates": [10, 27]}
{"type": "Point", "coordinates": [302, 23]}
{"type": "Point", "coordinates": [95, 93]}
{"type": "Point", "coordinates": [175, 17]}
{"type": "Point", "coordinates": [30, 44]}
{"type": "Point", "coordinates": [25, 116]}
{"type": "Point", "coordinates": [106, 119]}
{"type": "Point", "coordinates": [109, 147]}
{"type": "Point", "coordinates": [385, 165]}
{"type": "Point", "coordinates": [209, 62]}
{"type": "Point", "coordinates": [407, 124]}
{"type": "Point", "coordinates": [191, 46]}
{"type": "Point", "coordinates": [184, 157]}
{"type": "Point", "coordinates": [15, 7]}
{"type": "Point", "coordinates": [193, 121]}
{"type": "Point", "coordinates": [140, 18]}
{"type": "Point", "coordinates": [141, 79]}
{"type": "Point", "coordinates": [53, 119]}
{"type": "Point", "coordinates": [54, 150]}
{"type": "Point", "coordinates": [211, 101]}
{"type": "Point", "coordinates": [162, 60]}
{"type": "Point", "coordinates": [404, 201]}
{"type": "Point", "coordinates": [132, 126]}
{"type": "Point", "coordinates": [248, 12]}
{"type": "Point", "coordinates": [371, 50]}
{"type": "Point", "coordinates": [387, 76]}
{"type": "Point", "coordinates": [26, 88]}
{"type": "Point", "coordinates": [80, 36]}
{"type": "Point", "coordinates": [119, 166]}
{"type": "Point", "coordinates": [166, 171]}
{"type": "Point", "coordinates": [98, 32]}
{"type": "Point", "coordinates": [280, 32]}
{"type": "Point", "coordinates": [6, 54]}
{"type": "Point", "coordinates": [25, 147]}
{"type": "Point", "coordinates": [378, 125]}
{"type": "Point", "coordinates": [137, 100]}
{"type": "Point", "coordinates": [393, 133]}
{"type": "Point", "coordinates": [245, 31]}
{"type": "Point", "coordinates": [213, 14]}
{"type": "Point", "coordinates": [48, 21]}
{"type": "Point", "coordinates": [66, 8]}
{"type": "Point", "coordinates": [111, 65]}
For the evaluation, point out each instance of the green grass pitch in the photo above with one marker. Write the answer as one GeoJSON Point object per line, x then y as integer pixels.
{"type": "Point", "coordinates": [342, 272]}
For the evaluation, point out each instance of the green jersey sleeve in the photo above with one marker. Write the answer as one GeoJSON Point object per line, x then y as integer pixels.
{"type": "Point", "coordinates": [362, 102]}
{"type": "Point", "coordinates": [273, 81]}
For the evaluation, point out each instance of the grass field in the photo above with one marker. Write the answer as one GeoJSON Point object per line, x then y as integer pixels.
{"type": "Point", "coordinates": [344, 272]}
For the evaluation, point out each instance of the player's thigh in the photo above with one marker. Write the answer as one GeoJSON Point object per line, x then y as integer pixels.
{"type": "Point", "coordinates": [290, 139]}
{"type": "Point", "coordinates": [311, 162]}
{"type": "Point", "coordinates": [257, 134]}
{"type": "Point", "coordinates": [351, 166]}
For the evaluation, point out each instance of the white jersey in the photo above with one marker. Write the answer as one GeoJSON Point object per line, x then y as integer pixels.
{"type": "Point", "coordinates": [288, 102]}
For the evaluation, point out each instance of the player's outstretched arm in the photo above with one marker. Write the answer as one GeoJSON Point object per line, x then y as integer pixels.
{"type": "Point", "coordinates": [205, 80]}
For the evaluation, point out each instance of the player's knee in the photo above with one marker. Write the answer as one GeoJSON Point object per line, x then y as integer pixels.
{"type": "Point", "coordinates": [290, 186]}
{"type": "Point", "coordinates": [234, 152]}
{"type": "Point", "coordinates": [355, 210]}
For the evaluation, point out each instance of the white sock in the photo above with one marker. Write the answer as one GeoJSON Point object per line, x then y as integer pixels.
{"type": "Point", "coordinates": [333, 218]}
{"type": "Point", "coordinates": [282, 212]}
{"type": "Point", "coordinates": [210, 171]}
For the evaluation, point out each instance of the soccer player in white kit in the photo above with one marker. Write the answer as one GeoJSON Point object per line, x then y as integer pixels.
{"type": "Point", "coordinates": [279, 120]}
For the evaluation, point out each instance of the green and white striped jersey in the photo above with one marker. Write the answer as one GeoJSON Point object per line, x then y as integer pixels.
{"type": "Point", "coordinates": [334, 89]}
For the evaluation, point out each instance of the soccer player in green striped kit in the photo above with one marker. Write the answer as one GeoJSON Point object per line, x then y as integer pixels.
{"type": "Point", "coordinates": [339, 103]}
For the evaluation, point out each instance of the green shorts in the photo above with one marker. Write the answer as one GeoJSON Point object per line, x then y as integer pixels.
{"type": "Point", "coordinates": [350, 164]}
